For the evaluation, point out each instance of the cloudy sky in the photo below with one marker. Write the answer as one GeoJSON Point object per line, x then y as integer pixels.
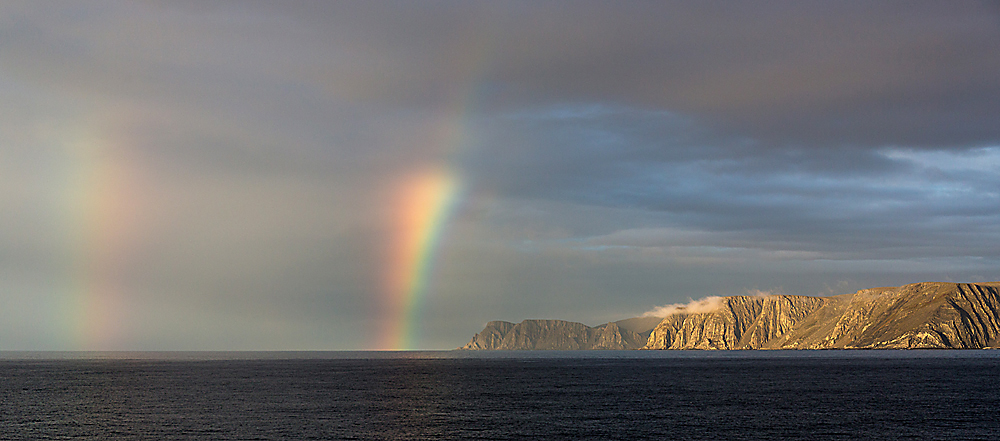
{"type": "Point", "coordinates": [361, 175]}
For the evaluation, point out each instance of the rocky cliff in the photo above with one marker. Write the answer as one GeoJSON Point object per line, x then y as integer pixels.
{"type": "Point", "coordinates": [740, 322]}
{"type": "Point", "coordinates": [563, 335]}
{"type": "Point", "coordinates": [921, 315]}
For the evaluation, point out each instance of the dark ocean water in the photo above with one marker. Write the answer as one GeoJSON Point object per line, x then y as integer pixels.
{"type": "Point", "coordinates": [503, 396]}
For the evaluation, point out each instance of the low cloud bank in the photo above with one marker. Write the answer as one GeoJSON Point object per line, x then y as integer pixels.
{"type": "Point", "coordinates": [707, 304]}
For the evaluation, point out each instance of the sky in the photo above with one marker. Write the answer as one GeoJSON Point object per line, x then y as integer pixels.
{"type": "Point", "coordinates": [309, 175]}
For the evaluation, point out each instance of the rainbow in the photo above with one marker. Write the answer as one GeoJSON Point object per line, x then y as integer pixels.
{"type": "Point", "coordinates": [423, 202]}
{"type": "Point", "coordinates": [422, 205]}
{"type": "Point", "coordinates": [101, 200]}
{"type": "Point", "coordinates": [103, 207]}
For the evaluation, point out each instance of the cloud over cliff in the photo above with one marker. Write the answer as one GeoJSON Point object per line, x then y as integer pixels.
{"type": "Point", "coordinates": [707, 304]}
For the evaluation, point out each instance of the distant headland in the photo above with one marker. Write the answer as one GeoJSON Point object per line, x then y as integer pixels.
{"type": "Point", "coordinates": [917, 316]}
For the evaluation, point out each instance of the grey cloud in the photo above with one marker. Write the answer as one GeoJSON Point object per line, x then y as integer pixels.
{"type": "Point", "coordinates": [786, 74]}
{"type": "Point", "coordinates": [880, 203]}
{"type": "Point", "coordinates": [916, 74]}
{"type": "Point", "coordinates": [808, 73]}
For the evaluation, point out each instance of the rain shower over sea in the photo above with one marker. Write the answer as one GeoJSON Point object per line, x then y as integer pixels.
{"type": "Point", "coordinates": [616, 395]}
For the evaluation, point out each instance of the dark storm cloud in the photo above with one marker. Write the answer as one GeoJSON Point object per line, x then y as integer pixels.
{"type": "Point", "coordinates": [832, 199]}
{"type": "Point", "coordinates": [787, 73]}
{"type": "Point", "coordinates": [919, 74]}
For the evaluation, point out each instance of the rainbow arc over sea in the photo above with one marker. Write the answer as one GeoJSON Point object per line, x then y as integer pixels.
{"type": "Point", "coordinates": [424, 200]}
{"type": "Point", "coordinates": [423, 204]}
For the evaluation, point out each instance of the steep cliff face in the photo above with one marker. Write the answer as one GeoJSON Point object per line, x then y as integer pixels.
{"type": "Point", "coordinates": [548, 334]}
{"type": "Point", "coordinates": [741, 322]}
{"type": "Point", "coordinates": [560, 335]}
{"type": "Point", "coordinates": [921, 315]}
{"type": "Point", "coordinates": [613, 336]}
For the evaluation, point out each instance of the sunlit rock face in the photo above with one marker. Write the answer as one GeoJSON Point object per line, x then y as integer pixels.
{"type": "Point", "coordinates": [562, 335]}
{"type": "Point", "coordinates": [741, 322]}
{"type": "Point", "coordinates": [921, 315]}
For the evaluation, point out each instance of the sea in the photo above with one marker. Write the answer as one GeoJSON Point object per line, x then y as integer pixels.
{"type": "Point", "coordinates": [462, 395]}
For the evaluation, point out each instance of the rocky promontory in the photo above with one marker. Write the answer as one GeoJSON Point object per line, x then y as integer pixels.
{"type": "Point", "coordinates": [563, 335]}
{"type": "Point", "coordinates": [920, 315]}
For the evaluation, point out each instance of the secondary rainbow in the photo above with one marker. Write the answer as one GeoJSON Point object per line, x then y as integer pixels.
{"type": "Point", "coordinates": [100, 206]}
